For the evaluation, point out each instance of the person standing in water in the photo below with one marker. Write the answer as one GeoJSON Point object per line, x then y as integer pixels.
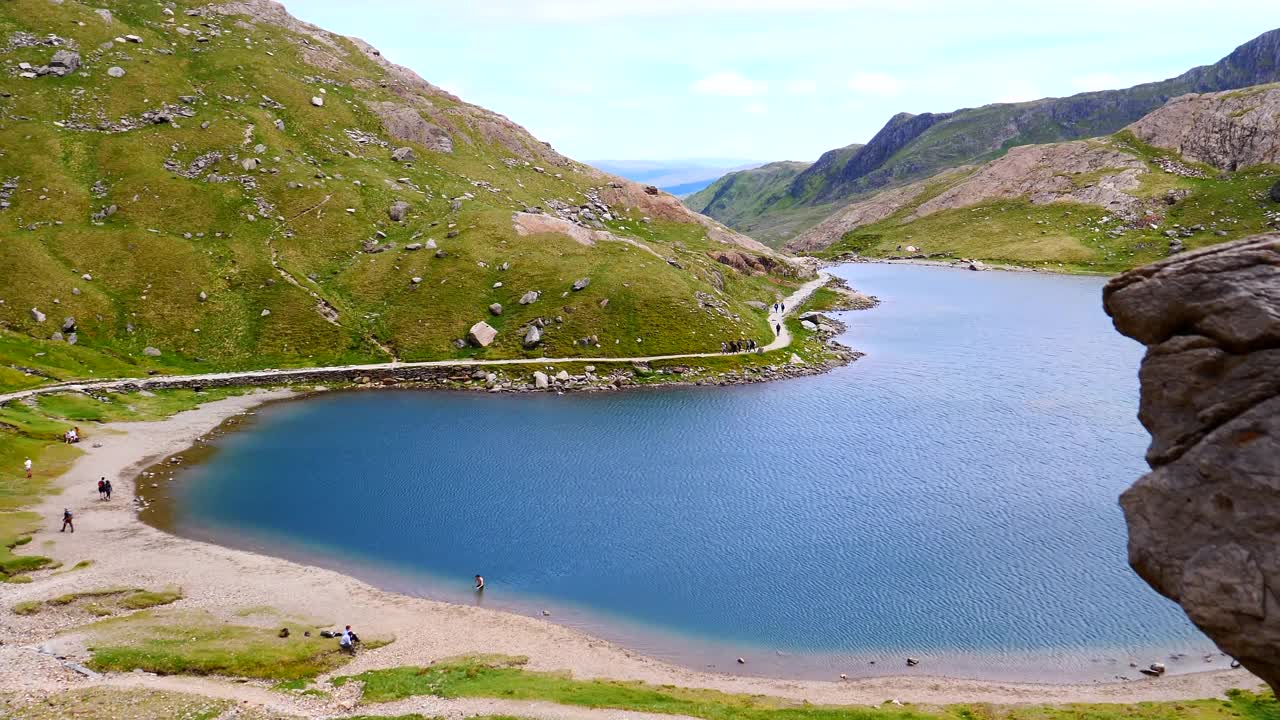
{"type": "Point", "coordinates": [479, 583]}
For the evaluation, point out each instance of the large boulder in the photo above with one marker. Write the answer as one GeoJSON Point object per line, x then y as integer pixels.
{"type": "Point", "coordinates": [1204, 524]}
{"type": "Point", "coordinates": [64, 62]}
{"type": "Point", "coordinates": [481, 334]}
{"type": "Point", "coordinates": [398, 210]}
{"type": "Point", "coordinates": [532, 336]}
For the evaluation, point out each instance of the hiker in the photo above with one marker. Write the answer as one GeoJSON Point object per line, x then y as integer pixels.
{"type": "Point", "coordinates": [724, 347]}
{"type": "Point", "coordinates": [479, 583]}
{"type": "Point", "coordinates": [27, 465]}
{"type": "Point", "coordinates": [66, 520]}
{"type": "Point", "coordinates": [778, 328]}
{"type": "Point", "coordinates": [347, 643]}
{"type": "Point", "coordinates": [108, 488]}
{"type": "Point", "coordinates": [102, 489]}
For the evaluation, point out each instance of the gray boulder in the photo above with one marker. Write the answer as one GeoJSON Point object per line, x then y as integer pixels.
{"type": "Point", "coordinates": [1203, 523]}
{"type": "Point", "coordinates": [481, 334]}
{"type": "Point", "coordinates": [68, 324]}
{"type": "Point", "coordinates": [115, 71]}
{"type": "Point", "coordinates": [756, 304]}
{"type": "Point", "coordinates": [151, 352]}
{"type": "Point", "coordinates": [37, 315]}
{"type": "Point", "coordinates": [403, 154]}
{"type": "Point", "coordinates": [532, 336]}
{"type": "Point", "coordinates": [496, 308]}
{"type": "Point", "coordinates": [529, 298]}
{"type": "Point", "coordinates": [64, 62]}
{"type": "Point", "coordinates": [581, 284]}
{"type": "Point", "coordinates": [398, 210]}
{"type": "Point", "coordinates": [540, 380]}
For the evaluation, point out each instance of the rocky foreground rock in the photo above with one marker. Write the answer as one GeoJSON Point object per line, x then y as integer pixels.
{"type": "Point", "coordinates": [1204, 524]}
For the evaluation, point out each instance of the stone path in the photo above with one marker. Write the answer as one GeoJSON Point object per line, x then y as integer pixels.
{"type": "Point", "coordinates": [781, 340]}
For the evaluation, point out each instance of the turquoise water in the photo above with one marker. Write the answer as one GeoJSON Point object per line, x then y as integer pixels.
{"type": "Point", "coordinates": [952, 494]}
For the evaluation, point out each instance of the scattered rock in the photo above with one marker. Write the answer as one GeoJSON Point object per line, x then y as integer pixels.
{"type": "Point", "coordinates": [398, 210]}
{"type": "Point", "coordinates": [64, 62]}
{"type": "Point", "coordinates": [115, 71]}
{"type": "Point", "coordinates": [540, 380]}
{"type": "Point", "coordinates": [532, 336]}
{"type": "Point", "coordinates": [742, 661]}
{"type": "Point", "coordinates": [1274, 193]}
{"type": "Point", "coordinates": [37, 315]}
{"type": "Point", "coordinates": [481, 334]}
{"type": "Point", "coordinates": [265, 312]}
{"type": "Point", "coordinates": [529, 298]}
{"type": "Point", "coordinates": [496, 308]}
{"type": "Point", "coordinates": [150, 352]}
{"type": "Point", "coordinates": [69, 324]}
{"type": "Point", "coordinates": [203, 296]}
{"type": "Point", "coordinates": [581, 283]}
{"type": "Point", "coordinates": [650, 190]}
{"type": "Point", "coordinates": [403, 154]}
{"type": "Point", "coordinates": [317, 101]}
{"type": "Point", "coordinates": [911, 662]}
{"type": "Point", "coordinates": [795, 359]}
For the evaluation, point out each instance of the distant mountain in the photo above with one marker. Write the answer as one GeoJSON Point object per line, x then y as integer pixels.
{"type": "Point", "coordinates": [911, 147]}
{"type": "Point", "coordinates": [678, 177]}
{"type": "Point", "coordinates": [1199, 170]}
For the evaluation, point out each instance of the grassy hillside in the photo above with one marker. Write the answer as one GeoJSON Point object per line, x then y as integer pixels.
{"type": "Point", "coordinates": [740, 199]}
{"type": "Point", "coordinates": [220, 189]}
{"type": "Point", "coordinates": [1072, 236]}
{"type": "Point", "coordinates": [913, 147]}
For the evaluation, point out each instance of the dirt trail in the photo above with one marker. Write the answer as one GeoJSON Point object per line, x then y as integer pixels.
{"type": "Point", "coordinates": [781, 340]}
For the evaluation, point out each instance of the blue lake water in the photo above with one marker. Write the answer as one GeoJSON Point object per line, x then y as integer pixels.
{"type": "Point", "coordinates": [950, 495]}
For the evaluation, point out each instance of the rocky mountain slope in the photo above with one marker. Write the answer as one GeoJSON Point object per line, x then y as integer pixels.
{"type": "Point", "coordinates": [1203, 522]}
{"type": "Point", "coordinates": [912, 147]}
{"type": "Point", "coordinates": [199, 186]}
{"type": "Point", "coordinates": [1197, 171]}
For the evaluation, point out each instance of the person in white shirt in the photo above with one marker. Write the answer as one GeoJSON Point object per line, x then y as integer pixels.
{"type": "Point", "coordinates": [27, 464]}
{"type": "Point", "coordinates": [347, 643]}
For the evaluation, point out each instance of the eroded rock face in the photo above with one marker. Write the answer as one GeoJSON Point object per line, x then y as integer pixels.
{"type": "Point", "coordinates": [1204, 524]}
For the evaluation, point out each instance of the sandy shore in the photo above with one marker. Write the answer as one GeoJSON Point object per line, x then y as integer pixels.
{"type": "Point", "coordinates": [222, 581]}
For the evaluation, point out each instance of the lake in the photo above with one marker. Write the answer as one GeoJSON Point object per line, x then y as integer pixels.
{"type": "Point", "coordinates": [952, 496]}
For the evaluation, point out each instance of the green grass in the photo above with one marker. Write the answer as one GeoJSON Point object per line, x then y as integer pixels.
{"type": "Point", "coordinates": [507, 680]}
{"type": "Point", "coordinates": [174, 236]}
{"type": "Point", "coordinates": [196, 643]}
{"type": "Point", "coordinates": [98, 702]}
{"type": "Point", "coordinates": [104, 601]}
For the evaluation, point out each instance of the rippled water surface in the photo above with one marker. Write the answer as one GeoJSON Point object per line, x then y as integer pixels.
{"type": "Point", "coordinates": [953, 492]}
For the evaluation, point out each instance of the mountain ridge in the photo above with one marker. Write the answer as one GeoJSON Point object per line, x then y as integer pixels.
{"type": "Point", "coordinates": [911, 148]}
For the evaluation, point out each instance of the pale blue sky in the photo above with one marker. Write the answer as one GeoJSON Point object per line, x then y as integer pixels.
{"type": "Point", "coordinates": [776, 79]}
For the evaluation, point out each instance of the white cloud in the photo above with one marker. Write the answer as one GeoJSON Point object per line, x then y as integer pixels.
{"type": "Point", "coordinates": [1105, 81]}
{"type": "Point", "coordinates": [572, 86]}
{"type": "Point", "coordinates": [874, 84]}
{"type": "Point", "coordinates": [593, 10]}
{"type": "Point", "coordinates": [1018, 91]}
{"type": "Point", "coordinates": [729, 84]}
{"type": "Point", "coordinates": [756, 108]}
{"type": "Point", "coordinates": [800, 86]}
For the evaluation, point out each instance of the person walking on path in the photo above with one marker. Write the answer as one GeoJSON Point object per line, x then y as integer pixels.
{"type": "Point", "coordinates": [26, 464]}
{"type": "Point", "coordinates": [102, 488]}
{"type": "Point", "coordinates": [66, 520]}
{"type": "Point", "coordinates": [108, 489]}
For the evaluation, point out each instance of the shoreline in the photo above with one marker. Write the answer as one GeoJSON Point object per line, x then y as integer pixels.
{"type": "Point", "coordinates": [159, 509]}
{"type": "Point", "coordinates": [124, 550]}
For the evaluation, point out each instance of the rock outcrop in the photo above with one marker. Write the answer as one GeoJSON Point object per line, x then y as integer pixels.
{"type": "Point", "coordinates": [1204, 524]}
{"type": "Point", "coordinates": [1228, 130]}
